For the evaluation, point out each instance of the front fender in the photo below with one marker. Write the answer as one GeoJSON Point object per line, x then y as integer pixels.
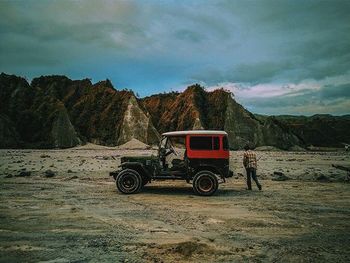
{"type": "Point", "coordinates": [139, 167]}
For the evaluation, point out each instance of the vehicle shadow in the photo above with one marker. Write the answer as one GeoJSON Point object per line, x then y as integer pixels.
{"type": "Point", "coordinates": [188, 190]}
{"type": "Point", "coordinates": [167, 190]}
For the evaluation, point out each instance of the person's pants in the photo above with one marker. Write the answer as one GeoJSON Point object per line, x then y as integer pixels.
{"type": "Point", "coordinates": [251, 173]}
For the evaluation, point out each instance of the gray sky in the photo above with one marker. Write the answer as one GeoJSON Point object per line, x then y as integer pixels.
{"type": "Point", "coordinates": [277, 57]}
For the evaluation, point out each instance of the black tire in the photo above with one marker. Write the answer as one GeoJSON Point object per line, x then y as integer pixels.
{"type": "Point", "coordinates": [128, 181]}
{"type": "Point", "coordinates": [205, 183]}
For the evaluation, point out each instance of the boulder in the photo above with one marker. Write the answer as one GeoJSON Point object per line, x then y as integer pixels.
{"type": "Point", "coordinates": [49, 173]}
{"type": "Point", "coordinates": [279, 176]}
{"type": "Point", "coordinates": [24, 174]}
{"type": "Point", "coordinates": [322, 178]}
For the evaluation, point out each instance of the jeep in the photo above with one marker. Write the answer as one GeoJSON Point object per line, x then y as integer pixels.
{"type": "Point", "coordinates": [205, 162]}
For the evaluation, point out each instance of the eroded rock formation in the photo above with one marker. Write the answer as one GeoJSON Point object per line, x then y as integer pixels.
{"type": "Point", "coordinates": [57, 112]}
{"type": "Point", "coordinates": [137, 124]}
{"type": "Point", "coordinates": [197, 109]}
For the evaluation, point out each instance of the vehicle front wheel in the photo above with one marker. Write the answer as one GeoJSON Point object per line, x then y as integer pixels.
{"type": "Point", "coordinates": [205, 183]}
{"type": "Point", "coordinates": [128, 181]}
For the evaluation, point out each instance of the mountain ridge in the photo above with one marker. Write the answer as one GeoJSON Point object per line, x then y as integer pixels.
{"type": "Point", "coordinates": [57, 112]}
{"type": "Point", "coordinates": [196, 108]}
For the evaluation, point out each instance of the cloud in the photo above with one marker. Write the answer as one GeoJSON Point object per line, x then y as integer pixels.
{"type": "Point", "coordinates": [292, 40]}
{"type": "Point", "coordinates": [272, 48]}
{"type": "Point", "coordinates": [305, 98]}
{"type": "Point", "coordinates": [266, 90]}
{"type": "Point", "coordinates": [335, 92]}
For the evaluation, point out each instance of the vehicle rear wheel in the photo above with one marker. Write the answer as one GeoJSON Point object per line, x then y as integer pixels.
{"type": "Point", "coordinates": [205, 183]}
{"type": "Point", "coordinates": [128, 181]}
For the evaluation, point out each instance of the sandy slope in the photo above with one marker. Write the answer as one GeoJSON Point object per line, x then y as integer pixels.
{"type": "Point", "coordinates": [77, 215]}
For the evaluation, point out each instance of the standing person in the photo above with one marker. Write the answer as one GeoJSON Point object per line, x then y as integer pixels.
{"type": "Point", "coordinates": [250, 165]}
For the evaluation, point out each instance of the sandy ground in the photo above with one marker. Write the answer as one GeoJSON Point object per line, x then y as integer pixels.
{"type": "Point", "coordinates": [78, 216]}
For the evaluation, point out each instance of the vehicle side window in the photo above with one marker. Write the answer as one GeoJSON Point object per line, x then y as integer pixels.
{"type": "Point", "coordinates": [201, 143]}
{"type": "Point", "coordinates": [225, 143]}
{"type": "Point", "coordinates": [216, 145]}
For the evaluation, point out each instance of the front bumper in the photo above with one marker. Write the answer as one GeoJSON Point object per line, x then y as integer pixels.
{"type": "Point", "coordinates": [114, 174]}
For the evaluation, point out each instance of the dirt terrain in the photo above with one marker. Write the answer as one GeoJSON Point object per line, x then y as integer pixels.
{"type": "Point", "coordinates": [61, 206]}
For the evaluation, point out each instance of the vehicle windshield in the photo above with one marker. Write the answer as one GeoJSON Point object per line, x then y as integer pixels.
{"type": "Point", "coordinates": [165, 142]}
{"type": "Point", "coordinates": [172, 142]}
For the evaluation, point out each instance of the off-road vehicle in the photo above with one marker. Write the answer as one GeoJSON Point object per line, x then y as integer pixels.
{"type": "Point", "coordinates": [205, 162]}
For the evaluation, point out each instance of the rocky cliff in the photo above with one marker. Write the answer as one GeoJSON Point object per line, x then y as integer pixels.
{"type": "Point", "coordinates": [137, 124]}
{"type": "Point", "coordinates": [319, 130]}
{"type": "Point", "coordinates": [57, 112]}
{"type": "Point", "coordinates": [197, 109]}
{"type": "Point", "coordinates": [8, 134]}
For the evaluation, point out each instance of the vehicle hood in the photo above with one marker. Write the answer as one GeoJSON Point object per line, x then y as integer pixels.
{"type": "Point", "coordinates": [141, 159]}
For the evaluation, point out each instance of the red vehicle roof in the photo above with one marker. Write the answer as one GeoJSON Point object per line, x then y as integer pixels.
{"type": "Point", "coordinates": [219, 153]}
